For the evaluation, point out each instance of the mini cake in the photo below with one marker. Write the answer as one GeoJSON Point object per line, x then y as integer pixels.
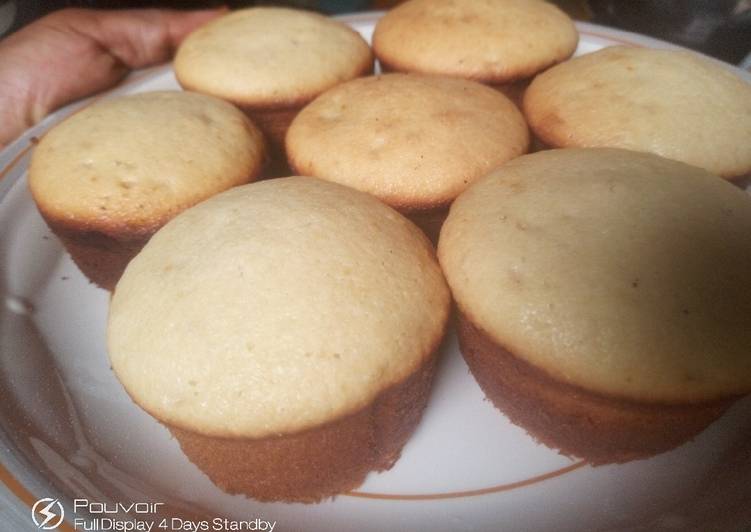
{"type": "Point", "coordinates": [604, 297]}
{"type": "Point", "coordinates": [672, 103]}
{"type": "Point", "coordinates": [498, 42]}
{"type": "Point", "coordinates": [415, 142]}
{"type": "Point", "coordinates": [106, 178]}
{"type": "Point", "coordinates": [285, 332]}
{"type": "Point", "coordinates": [270, 62]}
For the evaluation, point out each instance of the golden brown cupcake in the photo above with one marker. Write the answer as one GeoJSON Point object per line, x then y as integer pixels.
{"type": "Point", "coordinates": [676, 104]}
{"type": "Point", "coordinates": [498, 42]}
{"type": "Point", "coordinates": [605, 297]}
{"type": "Point", "coordinates": [415, 142]}
{"type": "Point", "coordinates": [292, 344]}
{"type": "Point", "coordinates": [106, 178]}
{"type": "Point", "coordinates": [270, 62]}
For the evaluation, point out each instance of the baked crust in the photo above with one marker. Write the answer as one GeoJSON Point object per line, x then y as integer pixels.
{"type": "Point", "coordinates": [236, 59]}
{"type": "Point", "coordinates": [620, 272]}
{"type": "Point", "coordinates": [675, 104]}
{"type": "Point", "coordinates": [273, 122]}
{"type": "Point", "coordinates": [274, 118]}
{"type": "Point", "coordinates": [577, 422]}
{"type": "Point", "coordinates": [106, 178]}
{"type": "Point", "coordinates": [498, 41]}
{"type": "Point", "coordinates": [430, 221]}
{"type": "Point", "coordinates": [318, 463]}
{"type": "Point", "coordinates": [102, 249]}
{"type": "Point", "coordinates": [448, 133]}
{"type": "Point", "coordinates": [245, 356]}
{"type": "Point", "coordinates": [513, 90]}
{"type": "Point", "coordinates": [102, 258]}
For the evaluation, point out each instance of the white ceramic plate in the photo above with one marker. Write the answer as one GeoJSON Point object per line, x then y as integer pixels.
{"type": "Point", "coordinates": [69, 430]}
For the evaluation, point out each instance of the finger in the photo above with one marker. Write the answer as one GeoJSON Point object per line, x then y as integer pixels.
{"type": "Point", "coordinates": [142, 37]}
{"type": "Point", "coordinates": [73, 53]}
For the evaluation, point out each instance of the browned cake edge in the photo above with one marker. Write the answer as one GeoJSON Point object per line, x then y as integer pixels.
{"type": "Point", "coordinates": [274, 118]}
{"type": "Point", "coordinates": [429, 221]}
{"type": "Point", "coordinates": [513, 89]}
{"type": "Point", "coordinates": [548, 132]}
{"type": "Point", "coordinates": [101, 255]}
{"type": "Point", "coordinates": [428, 217]}
{"type": "Point", "coordinates": [522, 77]}
{"type": "Point", "coordinates": [318, 463]}
{"type": "Point", "coordinates": [102, 249]}
{"type": "Point", "coordinates": [577, 422]}
{"type": "Point", "coordinates": [274, 123]}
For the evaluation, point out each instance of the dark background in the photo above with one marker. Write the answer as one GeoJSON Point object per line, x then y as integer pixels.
{"type": "Point", "coordinates": [721, 28]}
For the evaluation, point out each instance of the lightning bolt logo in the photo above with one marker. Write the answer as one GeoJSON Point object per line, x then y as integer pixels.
{"type": "Point", "coordinates": [51, 519]}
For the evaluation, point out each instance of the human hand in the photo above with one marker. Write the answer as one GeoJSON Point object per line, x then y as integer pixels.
{"type": "Point", "coordinates": [73, 53]}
